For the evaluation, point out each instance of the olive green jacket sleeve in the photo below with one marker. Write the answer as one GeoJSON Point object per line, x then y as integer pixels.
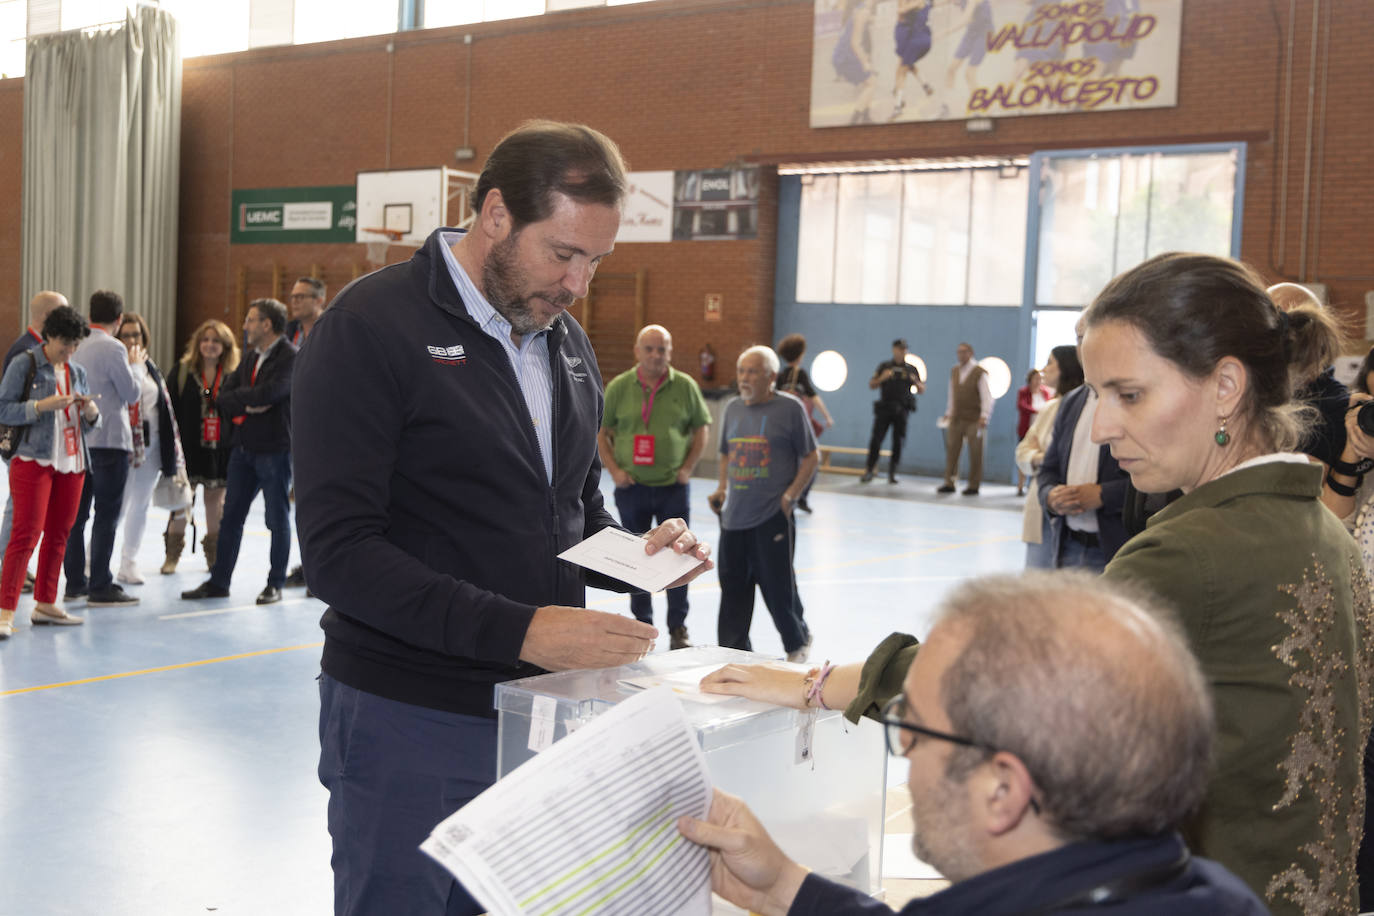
{"type": "Point", "coordinates": [882, 676]}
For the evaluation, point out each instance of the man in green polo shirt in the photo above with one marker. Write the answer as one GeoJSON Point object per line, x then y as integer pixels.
{"type": "Point", "coordinates": [652, 433]}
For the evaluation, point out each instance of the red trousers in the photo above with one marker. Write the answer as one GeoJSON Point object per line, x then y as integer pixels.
{"type": "Point", "coordinates": [45, 503]}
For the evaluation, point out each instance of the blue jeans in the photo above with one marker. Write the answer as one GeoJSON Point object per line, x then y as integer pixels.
{"type": "Point", "coordinates": [640, 507]}
{"type": "Point", "coordinates": [105, 478]}
{"type": "Point", "coordinates": [759, 556]}
{"type": "Point", "coordinates": [1073, 555]}
{"type": "Point", "coordinates": [393, 772]}
{"type": "Point", "coordinates": [248, 473]}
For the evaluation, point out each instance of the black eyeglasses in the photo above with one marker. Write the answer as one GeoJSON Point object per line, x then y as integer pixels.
{"type": "Point", "coordinates": [894, 725]}
{"type": "Point", "coordinates": [899, 746]}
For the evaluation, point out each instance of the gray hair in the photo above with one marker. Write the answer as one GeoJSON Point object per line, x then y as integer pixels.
{"type": "Point", "coordinates": [770, 358]}
{"type": "Point", "coordinates": [1092, 685]}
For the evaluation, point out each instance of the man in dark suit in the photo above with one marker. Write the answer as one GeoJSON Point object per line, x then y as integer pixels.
{"type": "Point", "coordinates": [1082, 490]}
{"type": "Point", "coordinates": [258, 399]}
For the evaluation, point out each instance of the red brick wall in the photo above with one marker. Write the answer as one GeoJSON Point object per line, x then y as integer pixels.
{"type": "Point", "coordinates": [706, 83]}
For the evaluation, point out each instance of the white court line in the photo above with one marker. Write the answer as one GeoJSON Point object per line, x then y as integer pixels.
{"type": "Point", "coordinates": [230, 610]}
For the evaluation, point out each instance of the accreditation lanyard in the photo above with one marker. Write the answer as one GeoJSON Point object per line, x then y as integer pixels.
{"type": "Point", "coordinates": [646, 410]}
{"type": "Point", "coordinates": [68, 426]}
{"type": "Point", "coordinates": [644, 442]}
{"type": "Point", "coordinates": [209, 416]}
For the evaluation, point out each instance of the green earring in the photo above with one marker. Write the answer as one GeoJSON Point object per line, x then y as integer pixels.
{"type": "Point", "coordinates": [1223, 438]}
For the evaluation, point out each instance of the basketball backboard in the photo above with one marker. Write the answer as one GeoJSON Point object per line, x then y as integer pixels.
{"type": "Point", "coordinates": [403, 206]}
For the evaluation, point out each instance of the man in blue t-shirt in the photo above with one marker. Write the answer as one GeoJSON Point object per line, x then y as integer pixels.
{"type": "Point", "coordinates": [768, 456]}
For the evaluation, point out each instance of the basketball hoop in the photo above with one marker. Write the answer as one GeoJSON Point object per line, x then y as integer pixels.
{"type": "Point", "coordinates": [376, 251]}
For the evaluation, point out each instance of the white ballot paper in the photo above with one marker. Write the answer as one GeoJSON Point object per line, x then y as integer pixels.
{"type": "Point", "coordinates": [621, 555]}
{"type": "Point", "coordinates": [589, 826]}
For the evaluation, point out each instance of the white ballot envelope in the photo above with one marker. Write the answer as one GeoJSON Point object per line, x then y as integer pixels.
{"type": "Point", "coordinates": [621, 555]}
{"type": "Point", "coordinates": [589, 825]}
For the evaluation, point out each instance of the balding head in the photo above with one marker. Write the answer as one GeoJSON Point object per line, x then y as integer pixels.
{"type": "Point", "coordinates": [41, 305]}
{"type": "Point", "coordinates": [1288, 296]}
{"type": "Point", "coordinates": [653, 351]}
{"type": "Point", "coordinates": [1092, 687]}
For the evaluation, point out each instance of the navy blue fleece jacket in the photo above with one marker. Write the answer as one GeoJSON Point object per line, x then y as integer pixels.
{"type": "Point", "coordinates": [425, 517]}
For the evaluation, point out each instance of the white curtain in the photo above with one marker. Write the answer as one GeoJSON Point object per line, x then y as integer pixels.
{"type": "Point", "coordinates": [102, 152]}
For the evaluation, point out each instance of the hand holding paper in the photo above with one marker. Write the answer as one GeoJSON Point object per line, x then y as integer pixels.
{"type": "Point", "coordinates": [675, 533]}
{"type": "Point", "coordinates": [624, 556]}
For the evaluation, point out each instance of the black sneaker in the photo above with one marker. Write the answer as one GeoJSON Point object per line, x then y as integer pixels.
{"type": "Point", "coordinates": [206, 589]}
{"type": "Point", "coordinates": [868, 475]}
{"type": "Point", "coordinates": [113, 596]}
{"type": "Point", "coordinates": [946, 488]}
{"type": "Point", "coordinates": [27, 587]}
{"type": "Point", "coordinates": [296, 579]}
{"type": "Point", "coordinates": [677, 638]}
{"type": "Point", "coordinates": [76, 593]}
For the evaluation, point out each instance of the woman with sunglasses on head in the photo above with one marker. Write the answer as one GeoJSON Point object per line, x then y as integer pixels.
{"type": "Point", "coordinates": [156, 452]}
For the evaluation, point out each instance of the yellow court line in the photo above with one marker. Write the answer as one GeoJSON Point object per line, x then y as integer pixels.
{"type": "Point", "coordinates": [112, 677]}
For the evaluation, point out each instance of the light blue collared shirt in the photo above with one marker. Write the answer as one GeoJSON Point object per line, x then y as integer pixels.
{"type": "Point", "coordinates": [530, 360]}
{"type": "Point", "coordinates": [115, 385]}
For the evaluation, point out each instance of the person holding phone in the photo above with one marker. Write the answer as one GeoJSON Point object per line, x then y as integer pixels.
{"type": "Point", "coordinates": [47, 395]}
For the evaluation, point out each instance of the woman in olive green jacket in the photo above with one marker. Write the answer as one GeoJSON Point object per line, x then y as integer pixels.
{"type": "Point", "coordinates": [1191, 365]}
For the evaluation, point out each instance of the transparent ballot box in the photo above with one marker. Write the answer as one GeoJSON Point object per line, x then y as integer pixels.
{"type": "Point", "coordinates": [815, 780]}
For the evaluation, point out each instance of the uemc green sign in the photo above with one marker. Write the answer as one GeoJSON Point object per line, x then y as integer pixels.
{"type": "Point", "coordinates": [277, 215]}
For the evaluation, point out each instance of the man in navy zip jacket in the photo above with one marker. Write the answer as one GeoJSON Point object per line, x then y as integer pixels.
{"type": "Point", "coordinates": [445, 448]}
{"type": "Point", "coordinates": [257, 399]}
{"type": "Point", "coordinates": [1058, 731]}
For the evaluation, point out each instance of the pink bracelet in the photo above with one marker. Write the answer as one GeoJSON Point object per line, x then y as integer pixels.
{"type": "Point", "coordinates": [818, 685]}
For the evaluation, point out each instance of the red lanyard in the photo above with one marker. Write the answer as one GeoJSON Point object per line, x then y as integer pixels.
{"type": "Point", "coordinates": [66, 411]}
{"type": "Point", "coordinates": [647, 409]}
{"type": "Point", "coordinates": [206, 387]}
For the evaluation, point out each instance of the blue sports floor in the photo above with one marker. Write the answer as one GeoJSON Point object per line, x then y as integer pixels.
{"type": "Point", "coordinates": [160, 760]}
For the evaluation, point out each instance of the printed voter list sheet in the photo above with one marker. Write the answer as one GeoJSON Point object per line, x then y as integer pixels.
{"type": "Point", "coordinates": [621, 555]}
{"type": "Point", "coordinates": [589, 826]}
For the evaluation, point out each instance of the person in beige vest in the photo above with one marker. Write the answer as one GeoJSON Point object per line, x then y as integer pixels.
{"type": "Point", "coordinates": [966, 416]}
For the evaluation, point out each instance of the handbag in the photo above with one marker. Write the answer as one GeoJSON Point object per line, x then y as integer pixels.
{"type": "Point", "coordinates": [173, 493]}
{"type": "Point", "coordinates": [12, 436]}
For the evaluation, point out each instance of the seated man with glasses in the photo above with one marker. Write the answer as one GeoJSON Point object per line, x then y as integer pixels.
{"type": "Point", "coordinates": [1058, 731]}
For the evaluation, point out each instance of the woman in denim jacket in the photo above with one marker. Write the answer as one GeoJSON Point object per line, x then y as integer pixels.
{"type": "Point", "coordinates": [49, 465]}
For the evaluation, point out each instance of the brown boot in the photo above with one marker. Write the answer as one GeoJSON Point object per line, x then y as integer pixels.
{"type": "Point", "coordinates": [209, 543]}
{"type": "Point", "coordinates": [176, 543]}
